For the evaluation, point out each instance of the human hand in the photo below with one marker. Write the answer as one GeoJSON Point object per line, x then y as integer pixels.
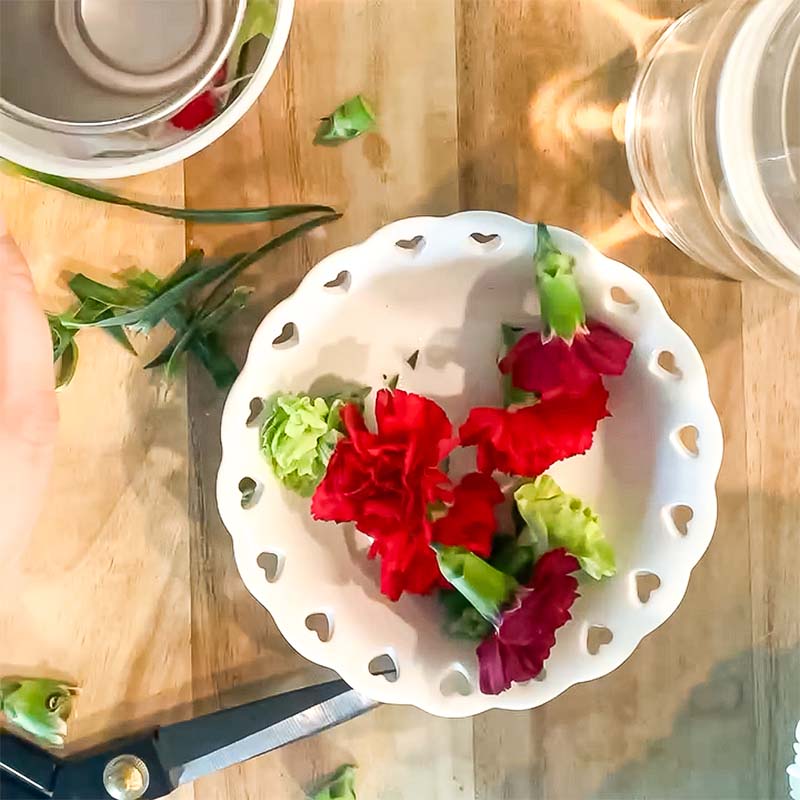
{"type": "Point", "coordinates": [28, 409]}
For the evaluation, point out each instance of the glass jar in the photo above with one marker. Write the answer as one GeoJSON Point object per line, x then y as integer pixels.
{"type": "Point", "coordinates": [713, 137]}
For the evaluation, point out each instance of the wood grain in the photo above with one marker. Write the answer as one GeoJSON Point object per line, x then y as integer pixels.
{"type": "Point", "coordinates": [512, 105]}
{"type": "Point", "coordinates": [111, 550]}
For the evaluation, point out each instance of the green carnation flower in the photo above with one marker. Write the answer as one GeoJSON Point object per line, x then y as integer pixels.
{"type": "Point", "coordinates": [556, 519]}
{"type": "Point", "coordinates": [299, 434]}
{"type": "Point", "coordinates": [38, 706]}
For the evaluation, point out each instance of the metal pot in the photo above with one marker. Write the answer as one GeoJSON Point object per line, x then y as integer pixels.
{"type": "Point", "coordinates": [104, 66]}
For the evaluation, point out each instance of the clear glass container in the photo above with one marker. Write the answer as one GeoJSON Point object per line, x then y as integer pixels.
{"type": "Point", "coordinates": [713, 137]}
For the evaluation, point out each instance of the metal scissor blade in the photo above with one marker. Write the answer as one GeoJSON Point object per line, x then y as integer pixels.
{"type": "Point", "coordinates": [189, 750]}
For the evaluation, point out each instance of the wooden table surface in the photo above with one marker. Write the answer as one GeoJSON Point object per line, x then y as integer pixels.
{"type": "Point", "coordinates": [129, 585]}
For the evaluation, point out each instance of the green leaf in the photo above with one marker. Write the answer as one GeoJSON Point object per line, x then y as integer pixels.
{"type": "Point", "coordinates": [514, 555]}
{"type": "Point", "coordinates": [208, 322]}
{"type": "Point", "coordinates": [560, 298]}
{"type": "Point", "coordinates": [340, 786]}
{"type": "Point", "coordinates": [210, 315]}
{"type": "Point", "coordinates": [65, 351]}
{"type": "Point", "coordinates": [349, 120]}
{"type": "Point", "coordinates": [209, 216]}
{"type": "Point", "coordinates": [462, 620]}
{"type": "Point", "coordinates": [148, 316]}
{"type": "Point", "coordinates": [129, 296]}
{"type": "Point", "coordinates": [241, 262]}
{"type": "Point", "coordinates": [211, 354]}
{"type": "Point", "coordinates": [486, 588]}
{"type": "Point", "coordinates": [91, 310]}
{"type": "Point", "coordinates": [555, 519]}
{"type": "Point", "coordinates": [194, 262]}
{"type": "Point", "coordinates": [146, 300]}
{"type": "Point", "coordinates": [39, 706]}
{"type": "Point", "coordinates": [259, 20]}
{"type": "Point", "coordinates": [66, 365]}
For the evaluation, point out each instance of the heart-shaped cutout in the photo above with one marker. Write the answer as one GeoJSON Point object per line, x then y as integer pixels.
{"type": "Point", "coordinates": [272, 564]}
{"type": "Point", "coordinates": [321, 624]}
{"type": "Point", "coordinates": [456, 683]}
{"type": "Point", "coordinates": [646, 584]}
{"type": "Point", "coordinates": [413, 245]}
{"type": "Point", "coordinates": [596, 637]}
{"type": "Point", "coordinates": [385, 666]}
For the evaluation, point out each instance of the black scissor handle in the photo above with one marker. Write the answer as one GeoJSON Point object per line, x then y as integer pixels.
{"type": "Point", "coordinates": [30, 773]}
{"type": "Point", "coordinates": [25, 770]}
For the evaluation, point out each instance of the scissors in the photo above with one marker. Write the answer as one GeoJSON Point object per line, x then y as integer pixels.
{"type": "Point", "coordinates": [156, 762]}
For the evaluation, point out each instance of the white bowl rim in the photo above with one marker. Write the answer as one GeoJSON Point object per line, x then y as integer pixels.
{"type": "Point", "coordinates": [102, 169]}
{"type": "Point", "coordinates": [328, 653]}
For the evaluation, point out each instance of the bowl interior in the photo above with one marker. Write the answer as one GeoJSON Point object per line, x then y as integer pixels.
{"type": "Point", "coordinates": [103, 65]}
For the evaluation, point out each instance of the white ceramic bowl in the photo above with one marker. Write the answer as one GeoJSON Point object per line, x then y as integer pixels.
{"type": "Point", "coordinates": [74, 156]}
{"type": "Point", "coordinates": [427, 284]}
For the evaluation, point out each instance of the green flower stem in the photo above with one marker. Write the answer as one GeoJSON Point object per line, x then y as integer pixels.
{"type": "Point", "coordinates": [209, 216]}
{"type": "Point", "coordinates": [560, 298]}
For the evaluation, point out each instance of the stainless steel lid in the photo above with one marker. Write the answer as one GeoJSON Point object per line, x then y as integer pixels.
{"type": "Point", "coordinates": [98, 66]}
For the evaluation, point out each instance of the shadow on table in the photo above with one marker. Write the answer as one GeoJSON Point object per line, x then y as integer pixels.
{"type": "Point", "coordinates": [710, 753]}
{"type": "Point", "coordinates": [134, 718]}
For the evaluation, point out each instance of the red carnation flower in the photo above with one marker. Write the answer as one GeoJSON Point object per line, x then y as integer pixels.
{"type": "Point", "coordinates": [202, 108]}
{"type": "Point", "coordinates": [526, 441]}
{"type": "Point", "coordinates": [517, 650]}
{"type": "Point", "coordinates": [388, 482]}
{"type": "Point", "coordinates": [553, 367]}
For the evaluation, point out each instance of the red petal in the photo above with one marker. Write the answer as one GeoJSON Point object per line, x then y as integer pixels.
{"type": "Point", "coordinates": [470, 520]}
{"type": "Point", "coordinates": [407, 565]}
{"type": "Point", "coordinates": [605, 351]}
{"type": "Point", "coordinates": [417, 422]}
{"type": "Point", "coordinates": [517, 651]}
{"type": "Point", "coordinates": [384, 482]}
{"type": "Point", "coordinates": [554, 368]}
{"type": "Point", "coordinates": [548, 368]}
{"type": "Point", "coordinates": [196, 112]}
{"type": "Point", "coordinates": [529, 440]}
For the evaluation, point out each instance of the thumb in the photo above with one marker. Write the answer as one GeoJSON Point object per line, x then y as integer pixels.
{"type": "Point", "coordinates": [27, 381]}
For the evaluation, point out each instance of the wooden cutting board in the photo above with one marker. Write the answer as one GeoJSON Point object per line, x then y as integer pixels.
{"type": "Point", "coordinates": [129, 586]}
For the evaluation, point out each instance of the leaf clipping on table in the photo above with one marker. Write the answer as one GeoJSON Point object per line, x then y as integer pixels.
{"type": "Point", "coordinates": [196, 300]}
{"type": "Point", "coordinates": [40, 706]}
{"type": "Point", "coordinates": [65, 351]}
{"type": "Point", "coordinates": [348, 121]}
{"type": "Point", "coordinates": [209, 216]}
{"type": "Point", "coordinates": [196, 334]}
{"type": "Point", "coordinates": [340, 786]}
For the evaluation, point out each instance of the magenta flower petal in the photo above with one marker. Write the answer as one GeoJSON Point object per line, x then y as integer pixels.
{"type": "Point", "coordinates": [517, 650]}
